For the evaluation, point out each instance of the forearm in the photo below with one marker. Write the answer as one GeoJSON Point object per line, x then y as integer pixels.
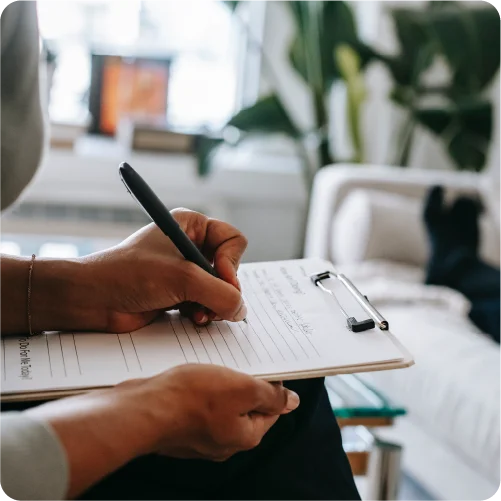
{"type": "Point", "coordinates": [62, 296]}
{"type": "Point", "coordinates": [99, 432]}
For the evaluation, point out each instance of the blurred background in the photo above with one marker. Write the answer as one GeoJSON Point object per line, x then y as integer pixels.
{"type": "Point", "coordinates": [231, 107]}
{"type": "Point", "coordinates": [316, 128]}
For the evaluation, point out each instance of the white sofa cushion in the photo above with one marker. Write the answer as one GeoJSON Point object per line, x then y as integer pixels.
{"type": "Point", "coordinates": [372, 224]}
{"type": "Point", "coordinates": [453, 390]}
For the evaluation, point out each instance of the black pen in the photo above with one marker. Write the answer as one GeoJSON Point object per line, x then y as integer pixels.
{"type": "Point", "coordinates": [161, 216]}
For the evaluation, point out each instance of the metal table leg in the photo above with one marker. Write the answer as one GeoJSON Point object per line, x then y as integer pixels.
{"type": "Point", "coordinates": [383, 472]}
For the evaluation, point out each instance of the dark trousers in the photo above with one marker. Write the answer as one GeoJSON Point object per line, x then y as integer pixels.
{"type": "Point", "coordinates": [479, 283]}
{"type": "Point", "coordinates": [301, 457]}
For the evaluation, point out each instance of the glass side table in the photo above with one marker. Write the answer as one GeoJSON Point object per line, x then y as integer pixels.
{"type": "Point", "coordinates": [358, 409]}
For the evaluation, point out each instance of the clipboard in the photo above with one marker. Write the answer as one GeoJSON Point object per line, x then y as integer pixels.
{"type": "Point", "coordinates": [275, 293]}
{"type": "Point", "coordinates": [375, 318]}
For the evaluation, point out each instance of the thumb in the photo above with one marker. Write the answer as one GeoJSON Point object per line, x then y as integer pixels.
{"type": "Point", "coordinates": [258, 425]}
{"type": "Point", "coordinates": [279, 400]}
{"type": "Point", "coordinates": [213, 293]}
{"type": "Point", "coordinates": [274, 398]}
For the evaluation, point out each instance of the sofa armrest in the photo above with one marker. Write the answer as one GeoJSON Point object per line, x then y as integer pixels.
{"type": "Point", "coordinates": [332, 184]}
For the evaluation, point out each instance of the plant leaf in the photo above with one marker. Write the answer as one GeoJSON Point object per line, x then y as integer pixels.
{"type": "Point", "coordinates": [348, 63]}
{"type": "Point", "coordinates": [335, 25]}
{"type": "Point", "coordinates": [415, 51]}
{"type": "Point", "coordinates": [205, 148]}
{"type": "Point", "coordinates": [466, 128]}
{"type": "Point", "coordinates": [441, 4]}
{"type": "Point", "coordinates": [404, 96]}
{"type": "Point", "coordinates": [266, 115]}
{"type": "Point", "coordinates": [232, 5]}
{"type": "Point", "coordinates": [410, 26]}
{"type": "Point", "coordinates": [469, 40]}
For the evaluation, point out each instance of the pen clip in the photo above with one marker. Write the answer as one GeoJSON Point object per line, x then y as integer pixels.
{"type": "Point", "coordinates": [353, 324]}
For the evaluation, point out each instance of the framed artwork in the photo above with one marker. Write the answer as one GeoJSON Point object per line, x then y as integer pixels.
{"type": "Point", "coordinates": [127, 87]}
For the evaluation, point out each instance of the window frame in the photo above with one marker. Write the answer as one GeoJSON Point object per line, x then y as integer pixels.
{"type": "Point", "coordinates": [247, 63]}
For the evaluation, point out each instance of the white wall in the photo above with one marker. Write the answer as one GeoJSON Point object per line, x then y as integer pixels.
{"type": "Point", "coordinates": [381, 118]}
{"type": "Point", "coordinates": [278, 32]}
{"type": "Point", "coordinates": [381, 115]}
{"type": "Point", "coordinates": [384, 117]}
{"type": "Point", "coordinates": [261, 194]}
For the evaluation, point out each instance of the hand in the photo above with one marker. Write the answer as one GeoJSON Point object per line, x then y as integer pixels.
{"type": "Point", "coordinates": [217, 412]}
{"type": "Point", "coordinates": [192, 411]}
{"type": "Point", "coordinates": [125, 287]}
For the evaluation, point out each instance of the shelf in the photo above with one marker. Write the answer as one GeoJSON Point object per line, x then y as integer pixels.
{"type": "Point", "coordinates": [88, 175]}
{"type": "Point", "coordinates": [262, 194]}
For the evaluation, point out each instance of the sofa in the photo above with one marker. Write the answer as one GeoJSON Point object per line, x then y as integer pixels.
{"type": "Point", "coordinates": [367, 221]}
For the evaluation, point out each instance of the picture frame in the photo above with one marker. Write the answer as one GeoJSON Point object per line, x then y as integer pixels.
{"type": "Point", "coordinates": [133, 87]}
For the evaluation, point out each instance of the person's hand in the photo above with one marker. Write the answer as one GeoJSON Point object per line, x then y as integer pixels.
{"type": "Point", "coordinates": [191, 411]}
{"type": "Point", "coordinates": [212, 412]}
{"type": "Point", "coordinates": [125, 287]}
{"type": "Point", "coordinates": [149, 275]}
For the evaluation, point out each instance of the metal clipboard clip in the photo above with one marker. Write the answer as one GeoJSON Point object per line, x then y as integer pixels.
{"type": "Point", "coordinates": [353, 324]}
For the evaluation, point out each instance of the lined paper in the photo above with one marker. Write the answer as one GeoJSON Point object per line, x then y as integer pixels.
{"type": "Point", "coordinates": [292, 326]}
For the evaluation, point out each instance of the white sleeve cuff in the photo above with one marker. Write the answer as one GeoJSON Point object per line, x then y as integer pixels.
{"type": "Point", "coordinates": [33, 461]}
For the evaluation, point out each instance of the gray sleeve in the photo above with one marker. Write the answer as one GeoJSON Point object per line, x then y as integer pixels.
{"type": "Point", "coordinates": [22, 120]}
{"type": "Point", "coordinates": [33, 462]}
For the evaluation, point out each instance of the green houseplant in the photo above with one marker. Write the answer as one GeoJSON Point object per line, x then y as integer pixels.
{"type": "Point", "coordinates": [465, 39]}
{"type": "Point", "coordinates": [326, 49]}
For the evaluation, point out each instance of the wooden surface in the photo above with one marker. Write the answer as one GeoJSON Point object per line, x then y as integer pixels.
{"type": "Point", "coordinates": [368, 422]}
{"type": "Point", "coordinates": [359, 459]}
{"type": "Point", "coordinates": [358, 462]}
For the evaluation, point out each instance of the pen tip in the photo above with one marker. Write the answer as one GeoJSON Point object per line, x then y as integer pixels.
{"type": "Point", "coordinates": [245, 320]}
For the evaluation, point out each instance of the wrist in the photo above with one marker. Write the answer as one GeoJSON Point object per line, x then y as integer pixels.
{"type": "Point", "coordinates": [65, 296]}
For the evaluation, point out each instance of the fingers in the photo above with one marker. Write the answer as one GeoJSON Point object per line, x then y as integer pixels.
{"type": "Point", "coordinates": [201, 316]}
{"type": "Point", "coordinates": [242, 409]}
{"type": "Point", "coordinates": [220, 242]}
{"type": "Point", "coordinates": [196, 313]}
{"type": "Point", "coordinates": [229, 245]}
{"type": "Point", "coordinates": [226, 244]}
{"type": "Point", "coordinates": [215, 294]}
{"type": "Point", "coordinates": [273, 399]}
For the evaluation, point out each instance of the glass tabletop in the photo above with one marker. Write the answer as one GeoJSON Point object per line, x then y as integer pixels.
{"type": "Point", "coordinates": [350, 397]}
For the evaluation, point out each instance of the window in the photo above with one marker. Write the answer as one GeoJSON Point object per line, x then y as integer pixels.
{"type": "Point", "coordinates": [12, 248]}
{"type": "Point", "coordinates": [52, 245]}
{"type": "Point", "coordinates": [200, 37]}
